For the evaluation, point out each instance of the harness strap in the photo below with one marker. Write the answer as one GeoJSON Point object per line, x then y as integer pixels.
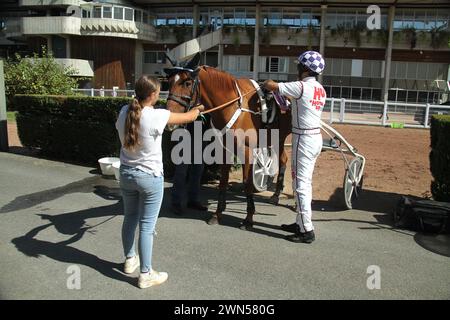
{"type": "Point", "coordinates": [233, 119]}
{"type": "Point", "coordinates": [262, 100]}
{"type": "Point", "coordinates": [241, 98]}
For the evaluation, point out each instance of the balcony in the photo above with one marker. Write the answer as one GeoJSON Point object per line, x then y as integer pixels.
{"type": "Point", "coordinates": [50, 25]}
{"type": "Point", "coordinates": [79, 26]}
{"type": "Point", "coordinates": [37, 3]}
{"type": "Point", "coordinates": [117, 28]}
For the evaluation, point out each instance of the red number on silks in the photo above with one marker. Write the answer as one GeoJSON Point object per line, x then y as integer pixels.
{"type": "Point", "coordinates": [319, 93]}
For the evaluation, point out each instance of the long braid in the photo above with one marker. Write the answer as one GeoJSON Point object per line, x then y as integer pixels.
{"type": "Point", "coordinates": [144, 87]}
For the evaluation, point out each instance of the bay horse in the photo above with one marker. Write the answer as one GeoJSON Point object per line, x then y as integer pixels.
{"type": "Point", "coordinates": [221, 94]}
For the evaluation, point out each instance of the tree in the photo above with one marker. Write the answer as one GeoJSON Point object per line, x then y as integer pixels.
{"type": "Point", "coordinates": [38, 75]}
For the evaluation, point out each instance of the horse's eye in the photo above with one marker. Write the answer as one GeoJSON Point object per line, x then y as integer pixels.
{"type": "Point", "coordinates": [187, 84]}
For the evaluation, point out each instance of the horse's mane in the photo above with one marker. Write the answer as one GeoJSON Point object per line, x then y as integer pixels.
{"type": "Point", "coordinates": [218, 80]}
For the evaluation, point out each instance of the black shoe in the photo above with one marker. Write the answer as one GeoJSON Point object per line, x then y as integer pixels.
{"type": "Point", "coordinates": [299, 237]}
{"type": "Point", "coordinates": [196, 206]}
{"type": "Point", "coordinates": [290, 227]}
{"type": "Point", "coordinates": [176, 208]}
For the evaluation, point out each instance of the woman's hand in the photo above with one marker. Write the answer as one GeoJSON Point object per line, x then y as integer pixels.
{"type": "Point", "coordinates": [186, 117]}
{"type": "Point", "coordinates": [200, 107]}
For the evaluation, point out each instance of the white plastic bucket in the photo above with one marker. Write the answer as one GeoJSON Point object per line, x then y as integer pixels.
{"type": "Point", "coordinates": [106, 165]}
{"type": "Point", "coordinates": [116, 168]}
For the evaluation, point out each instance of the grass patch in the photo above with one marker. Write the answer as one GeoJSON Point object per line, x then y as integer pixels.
{"type": "Point", "coordinates": [11, 116]}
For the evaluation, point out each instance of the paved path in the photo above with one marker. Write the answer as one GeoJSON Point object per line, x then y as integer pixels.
{"type": "Point", "coordinates": [54, 216]}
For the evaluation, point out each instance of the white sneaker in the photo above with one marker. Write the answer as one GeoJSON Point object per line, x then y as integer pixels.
{"type": "Point", "coordinates": [131, 264]}
{"type": "Point", "coordinates": [152, 278]}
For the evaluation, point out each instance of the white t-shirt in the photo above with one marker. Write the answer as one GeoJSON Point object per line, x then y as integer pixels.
{"type": "Point", "coordinates": [147, 156]}
{"type": "Point", "coordinates": [308, 99]}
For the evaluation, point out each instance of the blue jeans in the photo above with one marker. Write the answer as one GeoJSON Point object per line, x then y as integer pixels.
{"type": "Point", "coordinates": [179, 182]}
{"type": "Point", "coordinates": [142, 195]}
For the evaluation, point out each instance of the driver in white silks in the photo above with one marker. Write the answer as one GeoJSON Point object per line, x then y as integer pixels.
{"type": "Point", "coordinates": [308, 99]}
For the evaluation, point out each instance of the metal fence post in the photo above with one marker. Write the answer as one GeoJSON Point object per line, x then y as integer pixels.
{"type": "Point", "coordinates": [331, 110]}
{"type": "Point", "coordinates": [383, 120]}
{"type": "Point", "coordinates": [92, 92]}
{"type": "Point", "coordinates": [341, 114]}
{"type": "Point", "coordinates": [427, 114]}
{"type": "Point", "coordinates": [4, 146]}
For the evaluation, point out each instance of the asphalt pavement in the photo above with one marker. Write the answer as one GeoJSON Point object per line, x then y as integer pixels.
{"type": "Point", "coordinates": [60, 238]}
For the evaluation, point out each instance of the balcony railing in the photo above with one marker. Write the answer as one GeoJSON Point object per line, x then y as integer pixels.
{"type": "Point", "coordinates": [35, 3]}
{"type": "Point", "coordinates": [122, 28]}
{"type": "Point", "coordinates": [79, 26]}
{"type": "Point", "coordinates": [51, 25]}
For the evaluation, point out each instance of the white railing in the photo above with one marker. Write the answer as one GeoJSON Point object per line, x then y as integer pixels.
{"type": "Point", "coordinates": [113, 93]}
{"type": "Point", "coordinates": [412, 115]}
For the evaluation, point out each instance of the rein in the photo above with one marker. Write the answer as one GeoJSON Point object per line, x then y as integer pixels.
{"type": "Point", "coordinates": [226, 104]}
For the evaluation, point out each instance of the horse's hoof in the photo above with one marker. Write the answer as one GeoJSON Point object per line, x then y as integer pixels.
{"type": "Point", "coordinates": [274, 200]}
{"type": "Point", "coordinates": [245, 225]}
{"type": "Point", "coordinates": [214, 220]}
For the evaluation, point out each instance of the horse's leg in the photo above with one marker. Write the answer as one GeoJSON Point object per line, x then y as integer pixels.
{"type": "Point", "coordinates": [223, 185]}
{"type": "Point", "coordinates": [275, 198]}
{"type": "Point", "coordinates": [284, 131]}
{"type": "Point", "coordinates": [248, 182]}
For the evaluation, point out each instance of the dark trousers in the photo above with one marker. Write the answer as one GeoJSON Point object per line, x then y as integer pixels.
{"type": "Point", "coordinates": [179, 182]}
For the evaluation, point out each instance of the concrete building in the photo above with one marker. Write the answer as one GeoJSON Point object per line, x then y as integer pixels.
{"type": "Point", "coordinates": [374, 49]}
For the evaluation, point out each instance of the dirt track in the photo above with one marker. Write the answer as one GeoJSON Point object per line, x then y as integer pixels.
{"type": "Point", "coordinates": [396, 161]}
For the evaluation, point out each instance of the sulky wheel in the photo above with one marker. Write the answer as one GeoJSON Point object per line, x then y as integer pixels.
{"type": "Point", "coordinates": [264, 165]}
{"type": "Point", "coordinates": [352, 187]}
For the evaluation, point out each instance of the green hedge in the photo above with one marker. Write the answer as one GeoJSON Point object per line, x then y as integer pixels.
{"type": "Point", "coordinates": [74, 128]}
{"type": "Point", "coordinates": [440, 157]}
{"type": "Point", "coordinates": [80, 129]}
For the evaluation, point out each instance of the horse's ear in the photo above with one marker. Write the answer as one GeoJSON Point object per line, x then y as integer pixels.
{"type": "Point", "coordinates": [194, 62]}
{"type": "Point", "coordinates": [172, 62]}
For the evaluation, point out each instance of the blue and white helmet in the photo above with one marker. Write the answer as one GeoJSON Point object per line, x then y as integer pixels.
{"type": "Point", "coordinates": [313, 61]}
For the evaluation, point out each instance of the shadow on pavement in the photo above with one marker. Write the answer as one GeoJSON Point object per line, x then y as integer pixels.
{"type": "Point", "coordinates": [105, 188]}
{"type": "Point", "coordinates": [74, 224]}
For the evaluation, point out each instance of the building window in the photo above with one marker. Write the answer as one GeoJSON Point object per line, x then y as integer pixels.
{"type": "Point", "coordinates": [97, 12]}
{"type": "Point", "coordinates": [137, 15]}
{"type": "Point", "coordinates": [107, 12]}
{"type": "Point", "coordinates": [85, 13]}
{"type": "Point", "coordinates": [144, 17]}
{"type": "Point", "coordinates": [276, 64]}
{"type": "Point", "coordinates": [129, 14]}
{"type": "Point", "coordinates": [118, 13]}
{"type": "Point", "coordinates": [237, 63]}
{"type": "Point", "coordinates": [154, 57]}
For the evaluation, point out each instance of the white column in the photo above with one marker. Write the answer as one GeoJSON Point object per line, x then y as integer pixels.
{"type": "Point", "coordinates": [49, 43]}
{"type": "Point", "coordinates": [138, 60]}
{"type": "Point", "coordinates": [220, 55]}
{"type": "Point", "coordinates": [256, 43]}
{"type": "Point", "coordinates": [387, 65]}
{"type": "Point", "coordinates": [195, 20]}
{"type": "Point", "coordinates": [68, 55]}
{"type": "Point", "coordinates": [3, 115]}
{"type": "Point", "coordinates": [323, 16]}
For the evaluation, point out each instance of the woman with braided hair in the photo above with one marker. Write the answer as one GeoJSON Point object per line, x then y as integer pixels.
{"type": "Point", "coordinates": [140, 128]}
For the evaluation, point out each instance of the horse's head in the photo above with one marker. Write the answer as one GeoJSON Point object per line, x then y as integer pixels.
{"type": "Point", "coordinates": [183, 81]}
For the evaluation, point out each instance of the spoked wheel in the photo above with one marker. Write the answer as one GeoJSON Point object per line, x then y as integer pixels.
{"type": "Point", "coordinates": [352, 187]}
{"type": "Point", "coordinates": [265, 166]}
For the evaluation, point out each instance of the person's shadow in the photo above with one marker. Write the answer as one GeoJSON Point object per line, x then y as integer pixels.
{"type": "Point", "coordinates": [75, 225]}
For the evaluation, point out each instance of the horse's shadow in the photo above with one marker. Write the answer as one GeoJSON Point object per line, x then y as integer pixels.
{"type": "Point", "coordinates": [231, 217]}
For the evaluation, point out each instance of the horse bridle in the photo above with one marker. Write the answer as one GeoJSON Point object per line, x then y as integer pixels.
{"type": "Point", "coordinates": [190, 103]}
